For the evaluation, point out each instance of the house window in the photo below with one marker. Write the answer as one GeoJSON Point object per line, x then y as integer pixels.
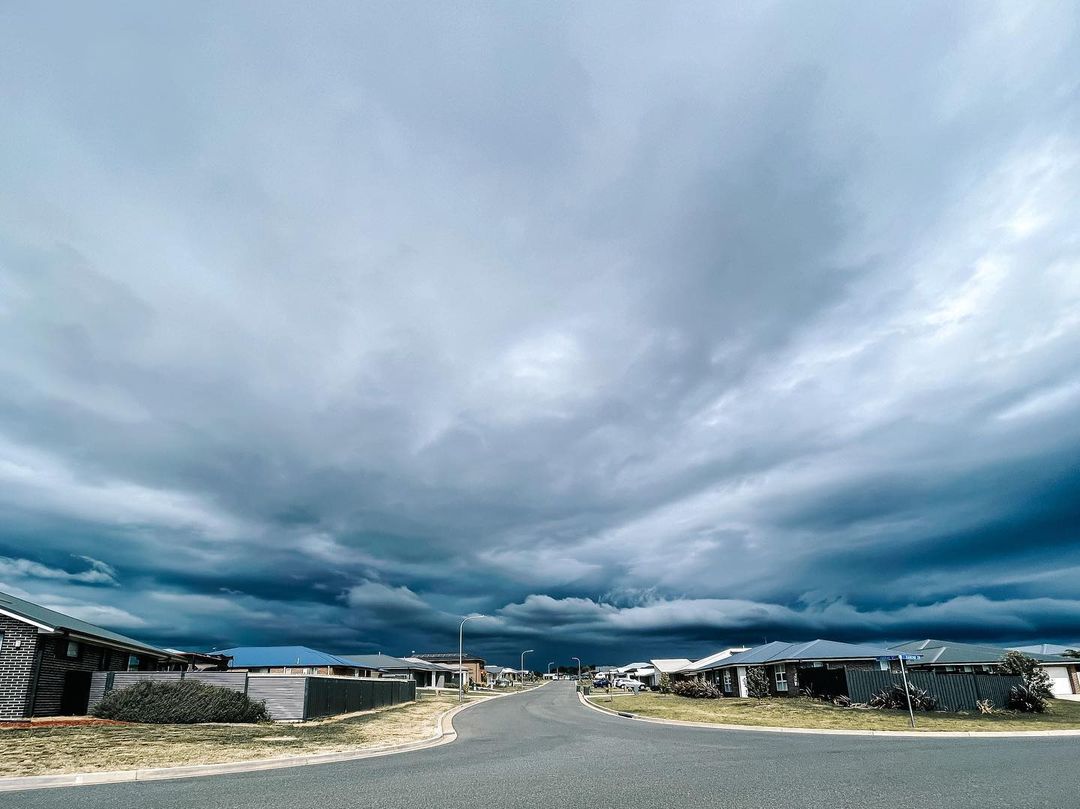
{"type": "Point", "coordinates": [71, 649]}
{"type": "Point", "coordinates": [727, 679]}
{"type": "Point", "coordinates": [1, 641]}
{"type": "Point", "coordinates": [133, 663]}
{"type": "Point", "coordinates": [781, 679]}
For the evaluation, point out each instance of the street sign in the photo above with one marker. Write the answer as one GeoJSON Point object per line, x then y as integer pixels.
{"type": "Point", "coordinates": [904, 657]}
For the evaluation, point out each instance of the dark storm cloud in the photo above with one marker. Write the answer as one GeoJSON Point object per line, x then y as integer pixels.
{"type": "Point", "coordinates": [635, 329]}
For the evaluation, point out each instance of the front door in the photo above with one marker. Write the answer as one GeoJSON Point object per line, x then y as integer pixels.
{"type": "Point", "coordinates": [76, 696]}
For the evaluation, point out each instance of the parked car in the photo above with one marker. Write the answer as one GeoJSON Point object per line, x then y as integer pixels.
{"type": "Point", "coordinates": [629, 683]}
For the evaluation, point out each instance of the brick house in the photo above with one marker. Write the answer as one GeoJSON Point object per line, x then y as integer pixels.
{"type": "Point", "coordinates": [471, 664]}
{"type": "Point", "coordinates": [47, 659]}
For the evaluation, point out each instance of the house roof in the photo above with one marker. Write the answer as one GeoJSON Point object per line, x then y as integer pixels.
{"type": "Point", "coordinates": [426, 665]}
{"type": "Point", "coordinates": [670, 665]}
{"type": "Point", "coordinates": [820, 649]}
{"type": "Point", "coordinates": [377, 662]}
{"type": "Point", "coordinates": [633, 667]}
{"type": "Point", "coordinates": [708, 662]}
{"type": "Point", "coordinates": [448, 657]}
{"type": "Point", "coordinates": [246, 657]}
{"type": "Point", "coordinates": [1046, 649]}
{"type": "Point", "coordinates": [948, 653]}
{"type": "Point", "coordinates": [55, 621]}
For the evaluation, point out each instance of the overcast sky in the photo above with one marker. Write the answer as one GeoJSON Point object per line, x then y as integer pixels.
{"type": "Point", "coordinates": [644, 329]}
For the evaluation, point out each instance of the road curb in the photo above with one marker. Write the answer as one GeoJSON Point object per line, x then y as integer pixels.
{"type": "Point", "coordinates": [444, 733]}
{"type": "Point", "coordinates": [889, 734]}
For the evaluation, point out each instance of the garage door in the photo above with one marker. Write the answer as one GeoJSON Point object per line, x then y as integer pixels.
{"type": "Point", "coordinates": [1059, 678]}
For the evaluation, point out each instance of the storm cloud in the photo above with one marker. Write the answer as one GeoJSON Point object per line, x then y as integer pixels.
{"type": "Point", "coordinates": [637, 328]}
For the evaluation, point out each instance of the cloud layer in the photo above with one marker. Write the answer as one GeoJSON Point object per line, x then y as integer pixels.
{"type": "Point", "coordinates": [636, 331]}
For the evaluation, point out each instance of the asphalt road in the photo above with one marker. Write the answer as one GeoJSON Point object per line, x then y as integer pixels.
{"type": "Point", "coordinates": [543, 749]}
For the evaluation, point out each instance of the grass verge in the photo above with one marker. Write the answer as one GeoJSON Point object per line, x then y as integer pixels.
{"type": "Point", "coordinates": [51, 750]}
{"type": "Point", "coordinates": [797, 712]}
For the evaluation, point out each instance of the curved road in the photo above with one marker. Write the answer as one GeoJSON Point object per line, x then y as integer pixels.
{"type": "Point", "coordinates": [544, 749]}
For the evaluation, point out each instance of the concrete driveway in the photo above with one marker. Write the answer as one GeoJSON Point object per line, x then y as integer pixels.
{"type": "Point", "coordinates": [542, 748]}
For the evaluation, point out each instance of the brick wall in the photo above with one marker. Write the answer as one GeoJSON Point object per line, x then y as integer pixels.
{"type": "Point", "coordinates": [16, 666]}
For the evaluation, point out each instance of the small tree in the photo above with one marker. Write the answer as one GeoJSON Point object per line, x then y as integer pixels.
{"type": "Point", "coordinates": [1035, 678]}
{"type": "Point", "coordinates": [757, 682]}
{"type": "Point", "coordinates": [665, 683]}
{"type": "Point", "coordinates": [1071, 653]}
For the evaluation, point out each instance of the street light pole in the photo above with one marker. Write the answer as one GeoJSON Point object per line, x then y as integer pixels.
{"type": "Point", "coordinates": [522, 672]}
{"type": "Point", "coordinates": [460, 646]}
{"type": "Point", "coordinates": [578, 659]}
{"type": "Point", "coordinates": [552, 663]}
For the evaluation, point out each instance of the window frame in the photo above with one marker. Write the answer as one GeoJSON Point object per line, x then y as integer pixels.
{"type": "Point", "coordinates": [780, 677]}
{"type": "Point", "coordinates": [64, 645]}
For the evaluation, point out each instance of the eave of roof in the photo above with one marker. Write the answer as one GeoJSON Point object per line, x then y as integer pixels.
{"type": "Point", "coordinates": [52, 621]}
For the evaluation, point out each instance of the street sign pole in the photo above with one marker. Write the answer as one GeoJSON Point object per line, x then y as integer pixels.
{"type": "Point", "coordinates": [907, 691]}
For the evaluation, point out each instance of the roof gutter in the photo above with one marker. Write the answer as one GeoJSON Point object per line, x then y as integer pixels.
{"type": "Point", "coordinates": [20, 617]}
{"type": "Point", "coordinates": [161, 654]}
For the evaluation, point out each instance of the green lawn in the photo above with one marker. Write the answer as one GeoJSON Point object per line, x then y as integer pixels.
{"type": "Point", "coordinates": [797, 712]}
{"type": "Point", "coordinates": [48, 750]}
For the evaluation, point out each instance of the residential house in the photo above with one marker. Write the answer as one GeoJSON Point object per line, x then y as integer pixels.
{"type": "Point", "coordinates": [701, 668]}
{"type": "Point", "coordinates": [1049, 649]}
{"type": "Point", "coordinates": [47, 659]}
{"type": "Point", "coordinates": [666, 665]}
{"type": "Point", "coordinates": [946, 657]}
{"type": "Point", "coordinates": [423, 673]}
{"type": "Point", "coordinates": [293, 660]}
{"type": "Point", "coordinates": [641, 671]}
{"type": "Point", "coordinates": [431, 675]}
{"type": "Point", "coordinates": [472, 665]}
{"type": "Point", "coordinates": [202, 661]}
{"type": "Point", "coordinates": [782, 663]}
{"type": "Point", "coordinates": [501, 675]}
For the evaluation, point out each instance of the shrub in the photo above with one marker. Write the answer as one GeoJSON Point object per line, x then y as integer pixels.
{"type": "Point", "coordinates": [895, 698]}
{"type": "Point", "coordinates": [665, 683]}
{"type": "Point", "coordinates": [1026, 700]}
{"type": "Point", "coordinates": [1030, 670]}
{"type": "Point", "coordinates": [183, 702]}
{"type": "Point", "coordinates": [757, 682]}
{"type": "Point", "coordinates": [985, 706]}
{"type": "Point", "coordinates": [696, 689]}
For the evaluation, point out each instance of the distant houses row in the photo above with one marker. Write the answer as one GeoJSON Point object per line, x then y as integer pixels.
{"type": "Point", "coordinates": [47, 661]}
{"type": "Point", "coordinates": [789, 666]}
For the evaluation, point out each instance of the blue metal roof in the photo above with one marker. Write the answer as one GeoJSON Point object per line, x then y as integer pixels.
{"type": "Point", "coordinates": [246, 657]}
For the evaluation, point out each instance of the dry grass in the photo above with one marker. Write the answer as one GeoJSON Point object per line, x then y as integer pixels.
{"type": "Point", "coordinates": [50, 750]}
{"type": "Point", "coordinates": [797, 712]}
